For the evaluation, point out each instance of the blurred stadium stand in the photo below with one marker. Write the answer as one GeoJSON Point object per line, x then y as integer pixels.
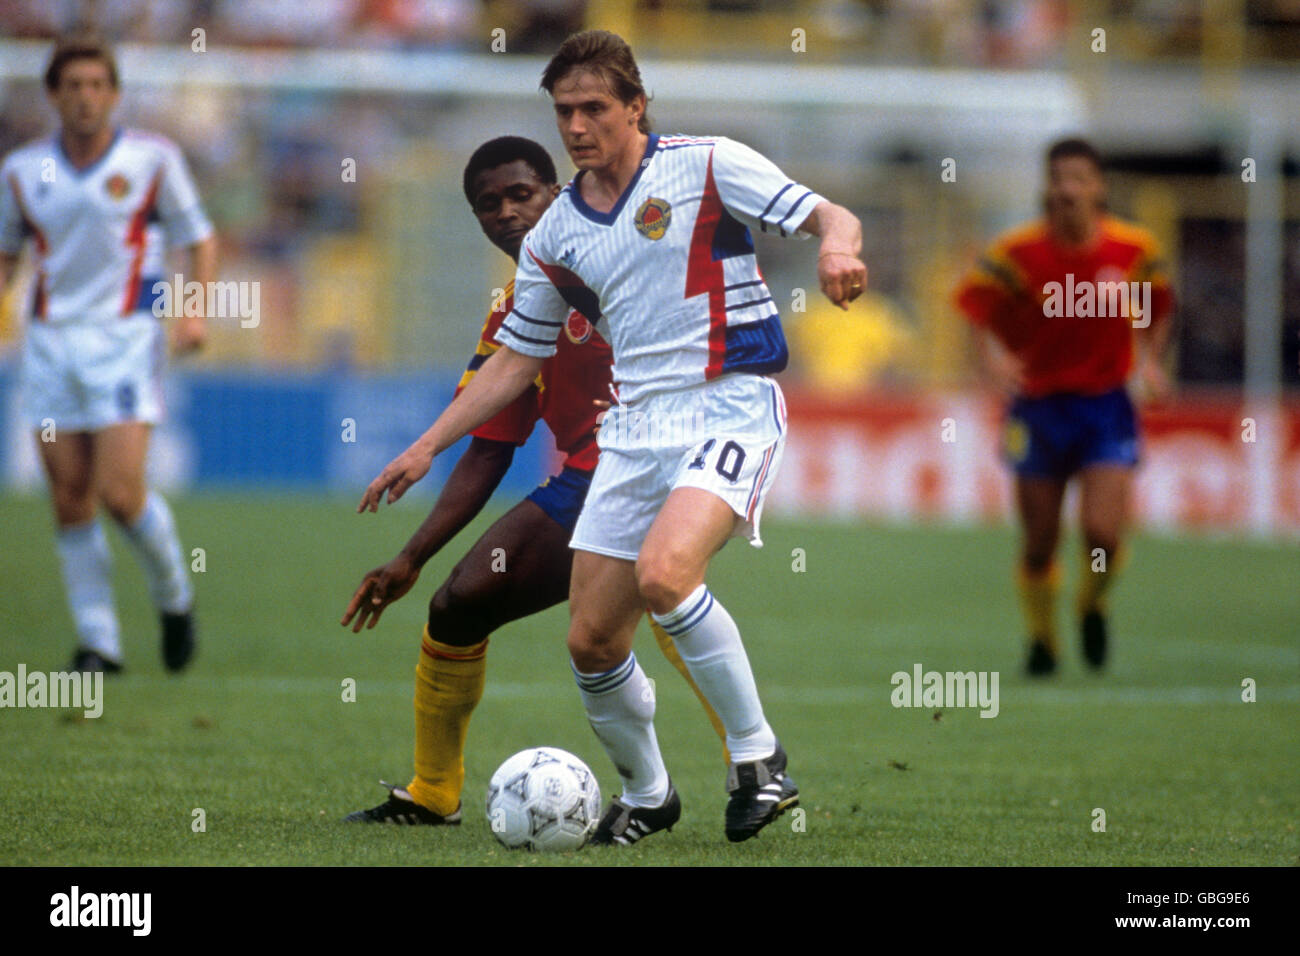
{"type": "Point", "coordinates": [389, 274]}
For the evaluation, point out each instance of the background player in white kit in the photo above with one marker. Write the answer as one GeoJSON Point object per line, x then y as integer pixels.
{"type": "Point", "coordinates": [649, 240]}
{"type": "Point", "coordinates": [97, 203]}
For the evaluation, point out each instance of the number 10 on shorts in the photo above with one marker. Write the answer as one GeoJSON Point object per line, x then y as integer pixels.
{"type": "Point", "coordinates": [730, 460]}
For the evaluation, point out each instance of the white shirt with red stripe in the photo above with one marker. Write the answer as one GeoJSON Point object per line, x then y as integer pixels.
{"type": "Point", "coordinates": [669, 274]}
{"type": "Point", "coordinates": [101, 232]}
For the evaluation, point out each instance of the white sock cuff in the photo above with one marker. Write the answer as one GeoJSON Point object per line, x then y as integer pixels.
{"type": "Point", "coordinates": [606, 681]}
{"type": "Point", "coordinates": [75, 534]}
{"type": "Point", "coordinates": [687, 614]}
{"type": "Point", "coordinates": [153, 511]}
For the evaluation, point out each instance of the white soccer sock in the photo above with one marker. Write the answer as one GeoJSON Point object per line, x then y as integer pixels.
{"type": "Point", "coordinates": [709, 642]}
{"type": "Point", "coordinates": [621, 708]}
{"type": "Point", "coordinates": [153, 537]}
{"type": "Point", "coordinates": [83, 553]}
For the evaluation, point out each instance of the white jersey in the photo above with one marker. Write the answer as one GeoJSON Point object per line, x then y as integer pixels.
{"type": "Point", "coordinates": [668, 275]}
{"type": "Point", "coordinates": [99, 232]}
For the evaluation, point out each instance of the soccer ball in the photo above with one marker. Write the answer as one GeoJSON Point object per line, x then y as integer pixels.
{"type": "Point", "coordinates": [543, 799]}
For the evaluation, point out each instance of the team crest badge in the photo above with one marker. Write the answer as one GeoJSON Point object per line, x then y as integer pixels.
{"type": "Point", "coordinates": [117, 185]}
{"type": "Point", "coordinates": [577, 328]}
{"type": "Point", "coordinates": [653, 217]}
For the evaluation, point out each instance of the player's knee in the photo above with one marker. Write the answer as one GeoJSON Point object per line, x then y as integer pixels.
{"type": "Point", "coordinates": [122, 495]}
{"type": "Point", "coordinates": [454, 617]}
{"type": "Point", "coordinates": [456, 627]}
{"type": "Point", "coordinates": [590, 651]}
{"type": "Point", "coordinates": [73, 509]}
{"type": "Point", "coordinates": [74, 501]}
{"type": "Point", "coordinates": [1037, 560]}
{"type": "Point", "coordinates": [664, 584]}
{"type": "Point", "coordinates": [1100, 537]}
{"type": "Point", "coordinates": [122, 501]}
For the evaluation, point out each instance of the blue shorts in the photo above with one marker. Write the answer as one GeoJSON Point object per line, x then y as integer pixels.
{"type": "Point", "coordinates": [561, 496]}
{"type": "Point", "coordinates": [1057, 435]}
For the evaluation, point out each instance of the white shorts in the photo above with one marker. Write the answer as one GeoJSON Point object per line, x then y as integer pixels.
{"type": "Point", "coordinates": [85, 376]}
{"type": "Point", "coordinates": [725, 436]}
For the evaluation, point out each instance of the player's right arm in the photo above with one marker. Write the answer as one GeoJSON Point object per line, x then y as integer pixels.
{"type": "Point", "coordinates": [11, 226]}
{"type": "Point", "coordinates": [502, 378]}
{"type": "Point", "coordinates": [476, 475]}
{"type": "Point", "coordinates": [1001, 369]}
{"type": "Point", "coordinates": [527, 339]}
{"type": "Point", "coordinates": [990, 288]}
{"type": "Point", "coordinates": [11, 235]}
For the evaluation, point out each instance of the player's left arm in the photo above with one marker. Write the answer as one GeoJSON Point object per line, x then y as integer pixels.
{"type": "Point", "coordinates": [843, 276]}
{"type": "Point", "coordinates": [1152, 338]}
{"type": "Point", "coordinates": [186, 224]}
{"type": "Point", "coordinates": [754, 189]}
{"type": "Point", "coordinates": [191, 330]}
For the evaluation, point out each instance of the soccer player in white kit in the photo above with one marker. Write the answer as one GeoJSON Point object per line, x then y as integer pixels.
{"type": "Point", "coordinates": [651, 241]}
{"type": "Point", "coordinates": [97, 203]}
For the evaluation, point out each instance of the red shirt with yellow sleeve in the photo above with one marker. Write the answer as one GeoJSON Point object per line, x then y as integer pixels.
{"type": "Point", "coordinates": [579, 372]}
{"type": "Point", "coordinates": [1060, 309]}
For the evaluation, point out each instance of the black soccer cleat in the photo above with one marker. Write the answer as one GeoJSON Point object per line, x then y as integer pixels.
{"type": "Point", "coordinates": [623, 825]}
{"type": "Point", "coordinates": [1042, 661]}
{"type": "Point", "coordinates": [84, 659]}
{"type": "Point", "coordinates": [177, 639]}
{"type": "Point", "coordinates": [1093, 629]}
{"type": "Point", "coordinates": [760, 792]}
{"type": "Point", "coordinates": [403, 811]}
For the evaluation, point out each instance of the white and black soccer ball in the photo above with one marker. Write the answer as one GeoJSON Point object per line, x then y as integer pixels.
{"type": "Point", "coordinates": [543, 799]}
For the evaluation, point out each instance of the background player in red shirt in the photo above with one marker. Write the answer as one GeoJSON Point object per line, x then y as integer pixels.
{"type": "Point", "coordinates": [509, 183]}
{"type": "Point", "coordinates": [1057, 332]}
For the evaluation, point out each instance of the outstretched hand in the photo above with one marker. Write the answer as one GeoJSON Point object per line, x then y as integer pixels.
{"type": "Point", "coordinates": [380, 588]}
{"type": "Point", "coordinates": [398, 476]}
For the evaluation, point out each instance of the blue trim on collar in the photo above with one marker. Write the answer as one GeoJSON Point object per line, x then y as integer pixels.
{"type": "Point", "coordinates": [86, 170]}
{"type": "Point", "coordinates": [608, 218]}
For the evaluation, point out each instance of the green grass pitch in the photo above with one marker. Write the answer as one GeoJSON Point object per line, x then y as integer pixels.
{"type": "Point", "coordinates": [258, 735]}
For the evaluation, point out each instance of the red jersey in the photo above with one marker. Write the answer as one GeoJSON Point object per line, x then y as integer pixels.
{"type": "Point", "coordinates": [579, 372]}
{"type": "Point", "coordinates": [1069, 313]}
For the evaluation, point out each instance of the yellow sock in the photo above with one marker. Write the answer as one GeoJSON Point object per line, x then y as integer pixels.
{"type": "Point", "coordinates": [1095, 581]}
{"type": "Point", "coordinates": [448, 685]}
{"type": "Point", "coordinates": [670, 651]}
{"type": "Point", "coordinates": [1038, 601]}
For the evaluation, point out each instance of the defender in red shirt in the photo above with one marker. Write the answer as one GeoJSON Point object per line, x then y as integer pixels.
{"type": "Point", "coordinates": [509, 183]}
{"type": "Point", "coordinates": [1062, 307]}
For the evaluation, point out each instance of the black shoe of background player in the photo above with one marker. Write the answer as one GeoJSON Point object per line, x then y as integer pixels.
{"type": "Point", "coordinates": [91, 662]}
{"type": "Point", "coordinates": [399, 808]}
{"type": "Point", "coordinates": [760, 792]}
{"type": "Point", "coordinates": [1093, 628]}
{"type": "Point", "coordinates": [1042, 661]}
{"type": "Point", "coordinates": [177, 639]}
{"type": "Point", "coordinates": [623, 825]}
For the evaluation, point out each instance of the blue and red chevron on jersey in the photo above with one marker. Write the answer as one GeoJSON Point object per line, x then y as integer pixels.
{"type": "Point", "coordinates": [679, 297]}
{"type": "Point", "coordinates": [101, 231]}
